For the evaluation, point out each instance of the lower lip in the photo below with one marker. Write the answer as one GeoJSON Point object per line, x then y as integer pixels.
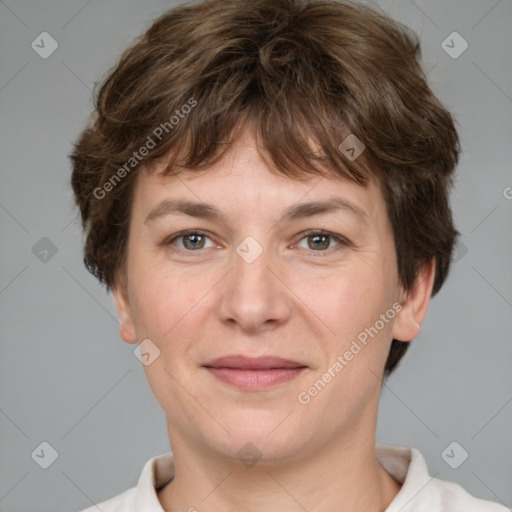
{"type": "Point", "coordinates": [255, 380]}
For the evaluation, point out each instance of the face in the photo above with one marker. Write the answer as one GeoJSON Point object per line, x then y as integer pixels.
{"type": "Point", "coordinates": [318, 289]}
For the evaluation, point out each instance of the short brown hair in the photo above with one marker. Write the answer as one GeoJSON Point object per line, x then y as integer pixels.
{"type": "Point", "coordinates": [304, 74]}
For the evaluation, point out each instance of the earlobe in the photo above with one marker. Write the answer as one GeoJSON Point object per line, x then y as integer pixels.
{"type": "Point", "coordinates": [127, 327]}
{"type": "Point", "coordinates": [415, 305]}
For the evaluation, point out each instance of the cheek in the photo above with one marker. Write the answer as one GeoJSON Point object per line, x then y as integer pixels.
{"type": "Point", "coordinates": [352, 306]}
{"type": "Point", "coordinates": [160, 306]}
{"type": "Point", "coordinates": [171, 311]}
{"type": "Point", "coordinates": [164, 306]}
{"type": "Point", "coordinates": [351, 299]}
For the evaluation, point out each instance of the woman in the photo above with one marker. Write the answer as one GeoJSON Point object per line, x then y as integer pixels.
{"type": "Point", "coordinates": [265, 190]}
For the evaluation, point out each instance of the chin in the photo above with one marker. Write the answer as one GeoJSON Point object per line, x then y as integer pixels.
{"type": "Point", "coordinates": [269, 440]}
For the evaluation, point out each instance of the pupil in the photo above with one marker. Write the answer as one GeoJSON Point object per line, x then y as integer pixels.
{"type": "Point", "coordinates": [190, 239]}
{"type": "Point", "coordinates": [316, 237]}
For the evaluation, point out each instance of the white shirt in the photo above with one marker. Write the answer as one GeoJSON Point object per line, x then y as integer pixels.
{"type": "Point", "coordinates": [419, 493]}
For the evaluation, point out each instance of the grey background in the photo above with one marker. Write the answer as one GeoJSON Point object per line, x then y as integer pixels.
{"type": "Point", "coordinates": [66, 376]}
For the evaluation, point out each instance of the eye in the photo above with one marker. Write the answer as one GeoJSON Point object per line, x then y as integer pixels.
{"type": "Point", "coordinates": [319, 241]}
{"type": "Point", "coordinates": [192, 240]}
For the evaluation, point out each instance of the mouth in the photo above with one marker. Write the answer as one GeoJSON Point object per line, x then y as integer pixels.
{"type": "Point", "coordinates": [254, 373]}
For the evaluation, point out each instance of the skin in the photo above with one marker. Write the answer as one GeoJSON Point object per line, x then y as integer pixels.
{"type": "Point", "coordinates": [290, 302]}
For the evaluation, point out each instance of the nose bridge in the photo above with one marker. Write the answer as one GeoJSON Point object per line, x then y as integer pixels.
{"type": "Point", "coordinates": [254, 295]}
{"type": "Point", "coordinates": [251, 262]}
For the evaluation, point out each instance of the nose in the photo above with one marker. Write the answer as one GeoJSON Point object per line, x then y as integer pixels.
{"type": "Point", "coordinates": [255, 295]}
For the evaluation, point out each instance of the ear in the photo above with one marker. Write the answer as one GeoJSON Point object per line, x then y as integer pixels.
{"type": "Point", "coordinates": [121, 298]}
{"type": "Point", "coordinates": [414, 304]}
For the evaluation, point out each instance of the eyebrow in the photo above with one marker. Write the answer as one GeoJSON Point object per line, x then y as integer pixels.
{"type": "Point", "coordinates": [294, 212]}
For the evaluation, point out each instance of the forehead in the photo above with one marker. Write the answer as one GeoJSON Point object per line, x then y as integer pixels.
{"type": "Point", "coordinates": [241, 181]}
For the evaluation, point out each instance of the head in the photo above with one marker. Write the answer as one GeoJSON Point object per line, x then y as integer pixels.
{"type": "Point", "coordinates": [256, 107]}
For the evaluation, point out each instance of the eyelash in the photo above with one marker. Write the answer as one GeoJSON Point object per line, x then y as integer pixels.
{"type": "Point", "coordinates": [312, 232]}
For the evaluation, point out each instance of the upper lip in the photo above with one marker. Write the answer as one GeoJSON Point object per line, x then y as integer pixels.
{"type": "Point", "coordinates": [253, 363]}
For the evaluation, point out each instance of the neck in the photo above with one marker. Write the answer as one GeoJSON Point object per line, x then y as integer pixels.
{"type": "Point", "coordinates": [343, 475]}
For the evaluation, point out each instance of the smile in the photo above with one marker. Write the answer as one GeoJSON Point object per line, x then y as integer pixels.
{"type": "Point", "coordinates": [254, 374]}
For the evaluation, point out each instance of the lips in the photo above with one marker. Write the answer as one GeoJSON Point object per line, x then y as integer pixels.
{"type": "Point", "coordinates": [254, 373]}
{"type": "Point", "coordinates": [253, 363]}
